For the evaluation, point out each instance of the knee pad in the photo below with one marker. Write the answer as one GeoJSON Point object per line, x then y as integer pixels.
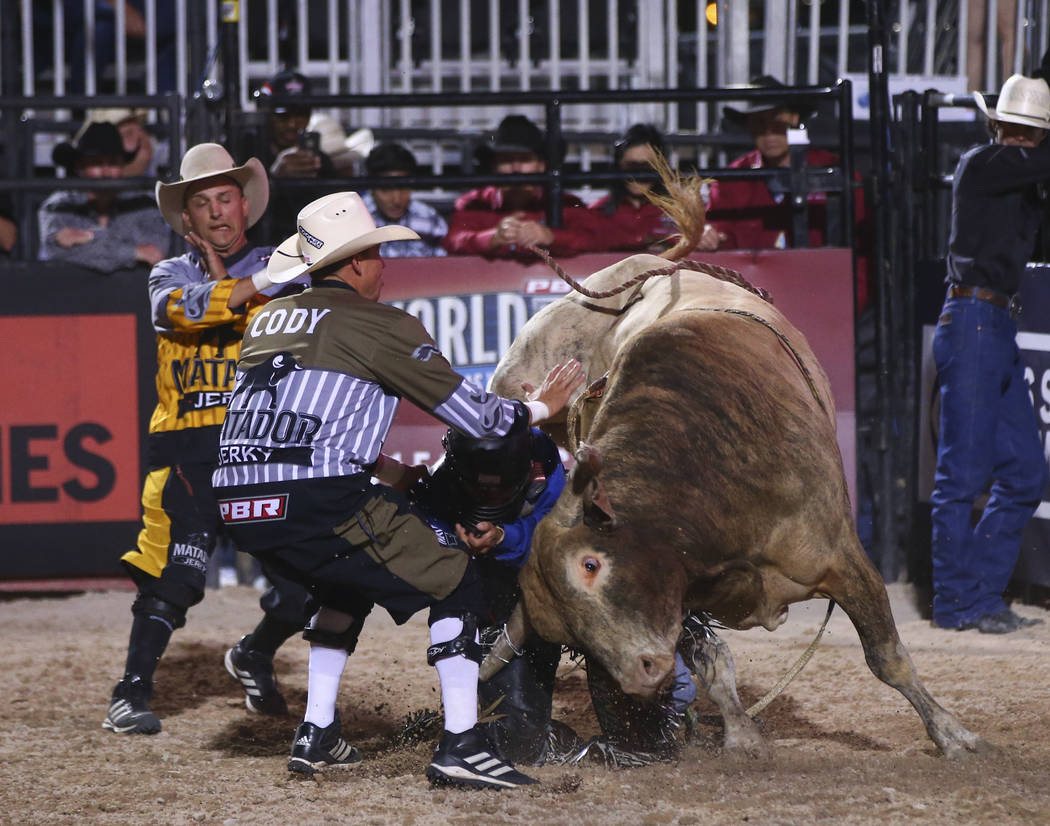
{"type": "Point", "coordinates": [334, 629]}
{"type": "Point", "coordinates": [146, 606]}
{"type": "Point", "coordinates": [464, 645]}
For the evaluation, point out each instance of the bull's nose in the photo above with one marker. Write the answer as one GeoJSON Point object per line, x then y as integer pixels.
{"type": "Point", "coordinates": [654, 670]}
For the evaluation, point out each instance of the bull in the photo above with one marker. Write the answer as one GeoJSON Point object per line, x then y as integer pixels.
{"type": "Point", "coordinates": [707, 479]}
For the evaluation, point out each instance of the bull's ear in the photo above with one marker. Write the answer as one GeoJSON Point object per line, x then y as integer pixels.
{"type": "Point", "coordinates": [597, 509]}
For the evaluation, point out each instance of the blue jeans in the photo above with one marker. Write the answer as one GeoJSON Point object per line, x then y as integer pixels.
{"type": "Point", "coordinates": [988, 433]}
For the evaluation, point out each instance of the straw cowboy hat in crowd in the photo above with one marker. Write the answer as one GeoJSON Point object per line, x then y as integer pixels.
{"type": "Point", "coordinates": [1023, 100]}
{"type": "Point", "coordinates": [209, 160]}
{"type": "Point", "coordinates": [330, 229]}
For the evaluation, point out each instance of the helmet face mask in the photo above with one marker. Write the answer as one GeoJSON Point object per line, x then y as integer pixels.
{"type": "Point", "coordinates": [493, 474]}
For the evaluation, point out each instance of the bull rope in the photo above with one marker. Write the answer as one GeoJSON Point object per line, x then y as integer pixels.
{"type": "Point", "coordinates": [715, 271]}
{"type": "Point", "coordinates": [792, 672]}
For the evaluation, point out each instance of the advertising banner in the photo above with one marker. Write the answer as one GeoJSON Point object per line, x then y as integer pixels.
{"type": "Point", "coordinates": [69, 421]}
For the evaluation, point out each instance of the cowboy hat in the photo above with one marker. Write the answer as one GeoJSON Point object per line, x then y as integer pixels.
{"type": "Point", "coordinates": [1023, 100]}
{"type": "Point", "coordinates": [95, 140]}
{"type": "Point", "coordinates": [738, 114]}
{"type": "Point", "coordinates": [330, 229]}
{"type": "Point", "coordinates": [334, 141]}
{"type": "Point", "coordinates": [209, 160]}
{"type": "Point", "coordinates": [515, 133]}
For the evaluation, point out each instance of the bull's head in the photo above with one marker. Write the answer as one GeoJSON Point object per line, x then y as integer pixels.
{"type": "Point", "coordinates": [598, 580]}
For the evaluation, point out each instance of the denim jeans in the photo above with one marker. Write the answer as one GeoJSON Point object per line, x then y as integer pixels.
{"type": "Point", "coordinates": [988, 434]}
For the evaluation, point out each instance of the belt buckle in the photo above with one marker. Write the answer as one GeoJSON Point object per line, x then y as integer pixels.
{"type": "Point", "coordinates": [1015, 306]}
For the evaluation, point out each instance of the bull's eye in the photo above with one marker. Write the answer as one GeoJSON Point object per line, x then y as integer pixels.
{"type": "Point", "coordinates": [591, 565]}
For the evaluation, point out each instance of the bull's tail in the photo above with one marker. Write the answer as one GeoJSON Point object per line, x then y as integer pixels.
{"type": "Point", "coordinates": [683, 204]}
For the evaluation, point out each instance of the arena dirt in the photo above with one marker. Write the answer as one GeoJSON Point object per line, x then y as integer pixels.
{"type": "Point", "coordinates": [845, 749]}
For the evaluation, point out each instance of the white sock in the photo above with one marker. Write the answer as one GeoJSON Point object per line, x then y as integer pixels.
{"type": "Point", "coordinates": [326, 669]}
{"type": "Point", "coordinates": [459, 679]}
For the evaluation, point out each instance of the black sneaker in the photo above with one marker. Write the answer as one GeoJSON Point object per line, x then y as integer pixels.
{"type": "Point", "coordinates": [1025, 622]}
{"type": "Point", "coordinates": [317, 748]}
{"type": "Point", "coordinates": [467, 759]}
{"type": "Point", "coordinates": [129, 711]}
{"type": "Point", "coordinates": [255, 673]}
{"type": "Point", "coordinates": [1005, 622]}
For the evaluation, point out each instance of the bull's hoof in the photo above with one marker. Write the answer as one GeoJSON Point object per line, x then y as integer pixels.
{"type": "Point", "coordinates": [746, 743]}
{"type": "Point", "coordinates": [743, 737]}
{"type": "Point", "coordinates": [963, 744]}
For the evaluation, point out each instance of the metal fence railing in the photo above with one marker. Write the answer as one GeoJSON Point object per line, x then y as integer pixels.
{"type": "Point", "coordinates": [27, 182]}
{"type": "Point", "coordinates": [59, 47]}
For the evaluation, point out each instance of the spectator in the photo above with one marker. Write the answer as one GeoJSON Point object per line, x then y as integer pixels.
{"type": "Point", "coordinates": [757, 214]}
{"type": "Point", "coordinates": [138, 143]}
{"type": "Point", "coordinates": [102, 229]}
{"type": "Point", "coordinates": [635, 222]}
{"type": "Point", "coordinates": [988, 430]}
{"type": "Point", "coordinates": [981, 49]}
{"type": "Point", "coordinates": [8, 227]}
{"type": "Point", "coordinates": [501, 221]}
{"type": "Point", "coordinates": [394, 204]}
{"type": "Point", "coordinates": [201, 306]}
{"type": "Point", "coordinates": [289, 150]}
{"type": "Point", "coordinates": [286, 153]}
{"type": "Point", "coordinates": [345, 152]}
{"type": "Point", "coordinates": [104, 38]}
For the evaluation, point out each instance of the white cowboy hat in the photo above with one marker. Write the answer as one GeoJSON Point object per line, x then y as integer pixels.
{"type": "Point", "coordinates": [330, 229]}
{"type": "Point", "coordinates": [334, 141]}
{"type": "Point", "coordinates": [209, 160]}
{"type": "Point", "coordinates": [360, 142]}
{"type": "Point", "coordinates": [1024, 100]}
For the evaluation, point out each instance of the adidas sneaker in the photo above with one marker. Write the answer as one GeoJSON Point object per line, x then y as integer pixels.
{"type": "Point", "coordinates": [129, 711]}
{"type": "Point", "coordinates": [255, 673]}
{"type": "Point", "coordinates": [467, 759]}
{"type": "Point", "coordinates": [317, 748]}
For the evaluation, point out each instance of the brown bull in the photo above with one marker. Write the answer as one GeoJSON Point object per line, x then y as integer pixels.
{"type": "Point", "coordinates": [709, 481]}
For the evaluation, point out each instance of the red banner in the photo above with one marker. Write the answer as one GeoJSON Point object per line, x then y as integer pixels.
{"type": "Point", "coordinates": [69, 433]}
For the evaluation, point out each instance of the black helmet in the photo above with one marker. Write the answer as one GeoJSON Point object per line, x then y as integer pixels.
{"type": "Point", "coordinates": [492, 472]}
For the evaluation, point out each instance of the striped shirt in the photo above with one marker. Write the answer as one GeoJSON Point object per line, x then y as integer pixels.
{"type": "Point", "coordinates": [421, 218]}
{"type": "Point", "coordinates": [320, 379]}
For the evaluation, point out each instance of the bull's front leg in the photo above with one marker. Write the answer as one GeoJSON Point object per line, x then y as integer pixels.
{"type": "Point", "coordinates": [709, 658]}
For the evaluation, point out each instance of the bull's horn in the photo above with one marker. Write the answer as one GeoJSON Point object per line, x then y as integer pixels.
{"type": "Point", "coordinates": [508, 644]}
{"type": "Point", "coordinates": [588, 465]}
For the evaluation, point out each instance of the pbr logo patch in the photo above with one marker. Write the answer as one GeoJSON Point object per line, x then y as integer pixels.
{"type": "Point", "coordinates": [254, 509]}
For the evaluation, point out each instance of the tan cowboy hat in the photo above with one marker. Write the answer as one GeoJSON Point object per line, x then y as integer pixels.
{"type": "Point", "coordinates": [1024, 100]}
{"type": "Point", "coordinates": [209, 160]}
{"type": "Point", "coordinates": [330, 229]}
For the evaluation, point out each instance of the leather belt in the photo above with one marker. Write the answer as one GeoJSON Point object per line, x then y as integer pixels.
{"type": "Point", "coordinates": [983, 293]}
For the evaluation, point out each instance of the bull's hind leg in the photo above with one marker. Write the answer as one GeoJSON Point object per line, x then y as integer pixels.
{"type": "Point", "coordinates": [709, 659]}
{"type": "Point", "coordinates": [860, 592]}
